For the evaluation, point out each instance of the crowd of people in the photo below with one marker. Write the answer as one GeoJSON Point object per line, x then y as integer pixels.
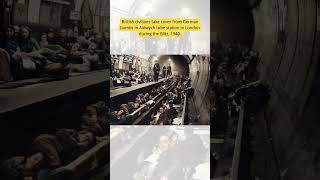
{"type": "Point", "coordinates": [167, 112]}
{"type": "Point", "coordinates": [232, 66]}
{"type": "Point", "coordinates": [166, 71]}
{"type": "Point", "coordinates": [235, 84]}
{"type": "Point", "coordinates": [120, 116]}
{"type": "Point", "coordinates": [167, 159]}
{"type": "Point", "coordinates": [163, 156]}
{"type": "Point", "coordinates": [126, 78]}
{"type": "Point", "coordinates": [173, 104]}
{"type": "Point", "coordinates": [52, 54]}
{"type": "Point", "coordinates": [50, 151]}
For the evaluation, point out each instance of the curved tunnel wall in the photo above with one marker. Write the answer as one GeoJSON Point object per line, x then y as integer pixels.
{"type": "Point", "coordinates": [288, 40]}
{"type": "Point", "coordinates": [199, 74]}
{"type": "Point", "coordinates": [178, 64]}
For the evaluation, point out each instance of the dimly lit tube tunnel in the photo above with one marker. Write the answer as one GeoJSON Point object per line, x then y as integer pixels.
{"type": "Point", "coordinates": [280, 141]}
{"type": "Point", "coordinates": [135, 78]}
{"type": "Point", "coordinates": [284, 134]}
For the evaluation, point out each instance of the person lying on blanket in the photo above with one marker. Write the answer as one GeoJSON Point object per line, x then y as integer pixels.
{"type": "Point", "coordinates": [48, 152]}
{"type": "Point", "coordinates": [34, 64]}
{"type": "Point", "coordinates": [29, 61]}
{"type": "Point", "coordinates": [94, 119]}
{"type": "Point", "coordinates": [90, 60]}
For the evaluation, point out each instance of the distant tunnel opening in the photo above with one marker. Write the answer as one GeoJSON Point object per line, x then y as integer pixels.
{"type": "Point", "coordinates": [178, 64]}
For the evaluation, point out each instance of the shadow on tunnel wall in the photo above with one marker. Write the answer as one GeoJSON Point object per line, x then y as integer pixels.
{"type": "Point", "coordinates": [199, 74]}
{"type": "Point", "coordinates": [197, 69]}
{"type": "Point", "coordinates": [178, 64]}
{"type": "Point", "coordinates": [232, 21]}
{"type": "Point", "coordinates": [286, 33]}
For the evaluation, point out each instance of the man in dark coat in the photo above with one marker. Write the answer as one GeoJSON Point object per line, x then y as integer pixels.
{"type": "Point", "coordinates": [164, 71]}
{"type": "Point", "coordinates": [169, 71]}
{"type": "Point", "coordinates": [156, 70]}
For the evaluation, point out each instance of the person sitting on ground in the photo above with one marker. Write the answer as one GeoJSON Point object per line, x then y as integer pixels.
{"type": "Point", "coordinates": [154, 93]}
{"type": "Point", "coordinates": [27, 44]}
{"type": "Point", "coordinates": [147, 97]}
{"type": "Point", "coordinates": [62, 38]}
{"type": "Point", "coordinates": [142, 99]}
{"type": "Point", "coordinates": [70, 39]}
{"type": "Point", "coordinates": [101, 44]}
{"type": "Point", "coordinates": [125, 109]}
{"type": "Point", "coordinates": [138, 100]}
{"type": "Point", "coordinates": [33, 64]}
{"type": "Point", "coordinates": [52, 38]}
{"type": "Point", "coordinates": [9, 42]}
{"type": "Point", "coordinates": [172, 112]}
{"type": "Point", "coordinates": [75, 55]}
{"type": "Point", "coordinates": [21, 167]}
{"type": "Point", "coordinates": [133, 106]}
{"type": "Point", "coordinates": [17, 34]}
{"type": "Point", "coordinates": [48, 152]}
{"type": "Point", "coordinates": [118, 117]}
{"type": "Point", "coordinates": [44, 40]}
{"type": "Point", "coordinates": [90, 61]}
{"type": "Point", "coordinates": [94, 119]}
{"type": "Point", "coordinates": [163, 117]}
{"type": "Point", "coordinates": [64, 146]}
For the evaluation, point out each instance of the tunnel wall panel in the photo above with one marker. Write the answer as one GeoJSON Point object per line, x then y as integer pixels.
{"type": "Point", "coordinates": [290, 42]}
{"type": "Point", "coordinates": [300, 65]}
{"type": "Point", "coordinates": [290, 53]}
{"type": "Point", "coordinates": [199, 74]}
{"type": "Point", "coordinates": [266, 23]}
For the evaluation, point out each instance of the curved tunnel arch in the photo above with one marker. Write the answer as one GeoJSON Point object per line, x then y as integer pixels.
{"type": "Point", "coordinates": [288, 39]}
{"type": "Point", "coordinates": [198, 68]}
{"type": "Point", "coordinates": [286, 33]}
{"type": "Point", "coordinates": [178, 64]}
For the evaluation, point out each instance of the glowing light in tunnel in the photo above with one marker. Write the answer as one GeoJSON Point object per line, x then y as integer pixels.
{"type": "Point", "coordinates": [154, 59]}
{"type": "Point", "coordinates": [169, 60]}
{"type": "Point", "coordinates": [185, 11]}
{"type": "Point", "coordinates": [149, 6]}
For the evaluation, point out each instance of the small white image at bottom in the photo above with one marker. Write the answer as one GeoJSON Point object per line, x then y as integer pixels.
{"type": "Point", "coordinates": [160, 153]}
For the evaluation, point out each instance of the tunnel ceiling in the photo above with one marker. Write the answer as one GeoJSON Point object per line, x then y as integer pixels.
{"type": "Point", "coordinates": [232, 21]}
{"type": "Point", "coordinates": [287, 37]}
{"type": "Point", "coordinates": [178, 62]}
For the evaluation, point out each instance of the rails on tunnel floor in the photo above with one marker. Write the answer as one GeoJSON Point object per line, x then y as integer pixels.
{"type": "Point", "coordinates": [123, 95]}
{"type": "Point", "coordinates": [97, 156]}
{"type": "Point", "coordinates": [237, 146]}
{"type": "Point", "coordinates": [184, 112]}
{"type": "Point", "coordinates": [143, 115]}
{"type": "Point", "coordinates": [229, 163]}
{"type": "Point", "coordinates": [241, 168]}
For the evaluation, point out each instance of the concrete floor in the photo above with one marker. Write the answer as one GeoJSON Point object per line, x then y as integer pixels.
{"type": "Point", "coordinates": [100, 174]}
{"type": "Point", "coordinates": [120, 91]}
{"type": "Point", "coordinates": [11, 99]}
{"type": "Point", "coordinates": [263, 164]}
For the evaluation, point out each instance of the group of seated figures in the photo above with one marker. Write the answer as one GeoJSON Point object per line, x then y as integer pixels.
{"type": "Point", "coordinates": [50, 151]}
{"type": "Point", "coordinates": [166, 113]}
{"type": "Point", "coordinates": [54, 56]}
{"type": "Point", "coordinates": [235, 87]}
